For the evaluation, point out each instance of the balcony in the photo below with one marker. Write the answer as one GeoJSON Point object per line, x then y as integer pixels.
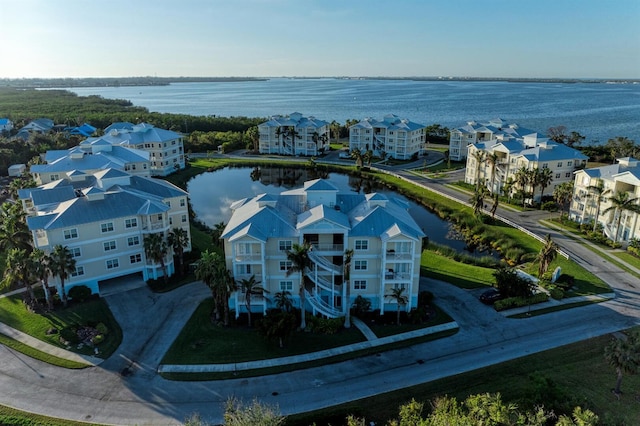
{"type": "Point", "coordinates": [394, 255]}
{"type": "Point", "coordinates": [397, 276]}
{"type": "Point", "coordinates": [321, 306]}
{"type": "Point", "coordinates": [324, 263]}
{"type": "Point", "coordinates": [248, 257]}
{"type": "Point", "coordinates": [328, 247]}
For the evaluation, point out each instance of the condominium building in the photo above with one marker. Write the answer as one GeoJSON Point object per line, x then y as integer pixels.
{"type": "Point", "coordinates": [500, 159]}
{"type": "Point", "coordinates": [385, 240]}
{"type": "Point", "coordinates": [165, 147]}
{"type": "Point", "coordinates": [593, 189]}
{"type": "Point", "coordinates": [91, 157]}
{"type": "Point", "coordinates": [293, 134]}
{"type": "Point", "coordinates": [395, 137]}
{"type": "Point", "coordinates": [103, 218]}
{"type": "Point", "coordinates": [474, 132]}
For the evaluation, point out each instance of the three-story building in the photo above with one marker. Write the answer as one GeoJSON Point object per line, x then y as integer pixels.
{"type": "Point", "coordinates": [392, 136]}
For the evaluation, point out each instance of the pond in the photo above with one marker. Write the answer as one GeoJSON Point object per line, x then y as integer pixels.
{"type": "Point", "coordinates": [212, 193]}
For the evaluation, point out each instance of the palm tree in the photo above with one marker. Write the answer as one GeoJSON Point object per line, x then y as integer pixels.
{"type": "Point", "coordinates": [357, 155]}
{"type": "Point", "coordinates": [299, 258]}
{"type": "Point", "coordinates": [494, 206]}
{"type": "Point", "coordinates": [18, 270]}
{"type": "Point", "coordinates": [544, 178]}
{"type": "Point", "coordinates": [41, 270]}
{"type": "Point", "coordinates": [367, 157]}
{"type": "Point", "coordinates": [620, 202]}
{"type": "Point", "coordinates": [283, 300]}
{"type": "Point", "coordinates": [480, 156]}
{"type": "Point", "coordinates": [216, 234]}
{"type": "Point", "coordinates": [254, 135]}
{"type": "Point", "coordinates": [212, 271]}
{"type": "Point", "coordinates": [62, 264]}
{"type": "Point", "coordinates": [521, 178]}
{"type": "Point", "coordinates": [179, 240]}
{"type": "Point", "coordinates": [563, 194]}
{"type": "Point", "coordinates": [400, 299]}
{"type": "Point", "coordinates": [250, 287]}
{"type": "Point", "coordinates": [335, 129]}
{"type": "Point", "coordinates": [624, 356]}
{"type": "Point", "coordinates": [507, 187]}
{"type": "Point", "coordinates": [13, 228]}
{"type": "Point", "coordinates": [346, 268]}
{"type": "Point", "coordinates": [477, 200]}
{"type": "Point", "coordinates": [546, 255]}
{"type": "Point", "coordinates": [598, 193]}
{"type": "Point", "coordinates": [281, 132]}
{"type": "Point", "coordinates": [579, 417]}
{"type": "Point", "coordinates": [493, 159]}
{"type": "Point", "coordinates": [156, 249]}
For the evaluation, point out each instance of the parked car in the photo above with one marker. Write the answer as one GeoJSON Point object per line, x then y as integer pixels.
{"type": "Point", "coordinates": [491, 296]}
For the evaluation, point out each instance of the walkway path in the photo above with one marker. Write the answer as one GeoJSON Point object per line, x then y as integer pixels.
{"type": "Point", "coordinates": [103, 394]}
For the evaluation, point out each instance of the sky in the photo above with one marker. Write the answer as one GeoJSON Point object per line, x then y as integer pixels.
{"type": "Point", "coordinates": [274, 38]}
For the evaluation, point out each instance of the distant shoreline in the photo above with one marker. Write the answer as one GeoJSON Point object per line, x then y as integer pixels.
{"type": "Point", "coordinates": [45, 83]}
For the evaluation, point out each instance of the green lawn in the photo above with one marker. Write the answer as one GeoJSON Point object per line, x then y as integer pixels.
{"type": "Point", "coordinates": [442, 268]}
{"type": "Point", "coordinates": [628, 257]}
{"type": "Point", "coordinates": [384, 330]}
{"type": "Point", "coordinates": [560, 379]}
{"type": "Point", "coordinates": [202, 342]}
{"type": "Point", "coordinates": [14, 314]}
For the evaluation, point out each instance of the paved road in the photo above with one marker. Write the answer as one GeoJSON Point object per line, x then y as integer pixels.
{"type": "Point", "coordinates": [150, 322]}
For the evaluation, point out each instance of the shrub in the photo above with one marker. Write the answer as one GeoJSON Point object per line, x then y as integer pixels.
{"type": "Point", "coordinates": [556, 292]}
{"type": "Point", "coordinates": [325, 325]}
{"type": "Point", "coordinates": [425, 298]}
{"type": "Point", "coordinates": [80, 293]}
{"type": "Point", "coordinates": [516, 302]}
{"type": "Point", "coordinates": [550, 206]}
{"type": "Point", "coordinates": [102, 329]}
{"type": "Point", "coordinates": [97, 339]}
{"type": "Point", "coordinates": [70, 334]}
{"type": "Point", "coordinates": [361, 306]}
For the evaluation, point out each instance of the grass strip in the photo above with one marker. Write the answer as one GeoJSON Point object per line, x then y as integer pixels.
{"type": "Point", "coordinates": [39, 355]}
{"type": "Point", "coordinates": [536, 312]}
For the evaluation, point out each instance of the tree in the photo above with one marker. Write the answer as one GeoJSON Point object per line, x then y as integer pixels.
{"type": "Point", "coordinates": [623, 355]}
{"type": "Point", "coordinates": [574, 139]}
{"type": "Point", "coordinates": [493, 159]}
{"type": "Point", "coordinates": [563, 194]}
{"type": "Point", "coordinates": [18, 270]}
{"type": "Point", "coordinates": [557, 134]}
{"type": "Point", "coordinates": [300, 261]}
{"type": "Point", "coordinates": [620, 203]}
{"type": "Point", "coordinates": [400, 299]}
{"type": "Point", "coordinates": [179, 240]}
{"type": "Point", "coordinates": [41, 263]}
{"type": "Point", "coordinates": [522, 179]}
{"type": "Point", "coordinates": [216, 234]}
{"type": "Point", "coordinates": [511, 284]}
{"type": "Point", "coordinates": [598, 193]}
{"type": "Point", "coordinates": [212, 271]}
{"type": "Point", "coordinates": [494, 206]}
{"type": "Point", "coordinates": [357, 155]}
{"type": "Point", "coordinates": [334, 127]}
{"type": "Point", "coordinates": [579, 417]}
{"type": "Point", "coordinates": [13, 228]}
{"type": "Point", "coordinates": [544, 178]}
{"type": "Point", "coordinates": [156, 249]}
{"type": "Point", "coordinates": [621, 147]}
{"type": "Point", "coordinates": [238, 413]}
{"type": "Point", "coordinates": [277, 325]}
{"type": "Point", "coordinates": [477, 200]}
{"type": "Point", "coordinates": [282, 300]}
{"type": "Point", "coordinates": [546, 255]}
{"type": "Point", "coordinates": [250, 287]}
{"type": "Point", "coordinates": [480, 157]}
{"type": "Point", "coordinates": [254, 136]}
{"type": "Point", "coordinates": [507, 188]}
{"type": "Point", "coordinates": [62, 264]}
{"type": "Point", "coordinates": [346, 274]}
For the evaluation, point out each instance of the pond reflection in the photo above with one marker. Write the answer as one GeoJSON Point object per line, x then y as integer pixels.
{"type": "Point", "coordinates": [212, 193]}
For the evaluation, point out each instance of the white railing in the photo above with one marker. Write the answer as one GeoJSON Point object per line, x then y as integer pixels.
{"type": "Point", "coordinates": [391, 255]}
{"type": "Point", "coordinates": [321, 306]}
{"type": "Point", "coordinates": [324, 263]}
{"type": "Point", "coordinates": [243, 257]}
{"type": "Point", "coordinates": [325, 284]}
{"type": "Point", "coordinates": [328, 247]}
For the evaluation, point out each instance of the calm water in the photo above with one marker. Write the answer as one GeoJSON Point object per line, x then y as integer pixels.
{"type": "Point", "coordinates": [597, 110]}
{"type": "Point", "coordinates": [212, 193]}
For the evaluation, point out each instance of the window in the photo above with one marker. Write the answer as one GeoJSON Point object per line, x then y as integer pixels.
{"type": "Point", "coordinates": [78, 272]}
{"type": "Point", "coordinates": [75, 252]}
{"type": "Point", "coordinates": [112, 264]}
{"type": "Point", "coordinates": [284, 245]}
{"type": "Point", "coordinates": [131, 223]}
{"type": "Point", "coordinates": [55, 177]}
{"type": "Point", "coordinates": [557, 175]}
{"type": "Point", "coordinates": [545, 165]}
{"type": "Point", "coordinates": [569, 163]}
{"type": "Point", "coordinates": [70, 234]}
{"type": "Point", "coordinates": [159, 217]}
{"type": "Point", "coordinates": [360, 265]}
{"type": "Point", "coordinates": [133, 241]}
{"type": "Point", "coordinates": [559, 163]}
{"type": "Point", "coordinates": [286, 285]}
{"type": "Point", "coordinates": [359, 284]}
{"type": "Point", "coordinates": [170, 220]}
{"type": "Point", "coordinates": [285, 265]}
{"type": "Point", "coordinates": [109, 245]}
{"type": "Point", "coordinates": [244, 269]}
{"type": "Point", "coordinates": [106, 227]}
{"type": "Point", "coordinates": [568, 174]}
{"type": "Point", "coordinates": [135, 258]}
{"type": "Point", "coordinates": [362, 245]}
{"type": "Point", "coordinates": [168, 203]}
{"type": "Point", "coordinates": [184, 218]}
{"type": "Point", "coordinates": [182, 202]}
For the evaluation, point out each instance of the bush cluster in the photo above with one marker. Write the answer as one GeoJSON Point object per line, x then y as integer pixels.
{"type": "Point", "coordinates": [516, 302]}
